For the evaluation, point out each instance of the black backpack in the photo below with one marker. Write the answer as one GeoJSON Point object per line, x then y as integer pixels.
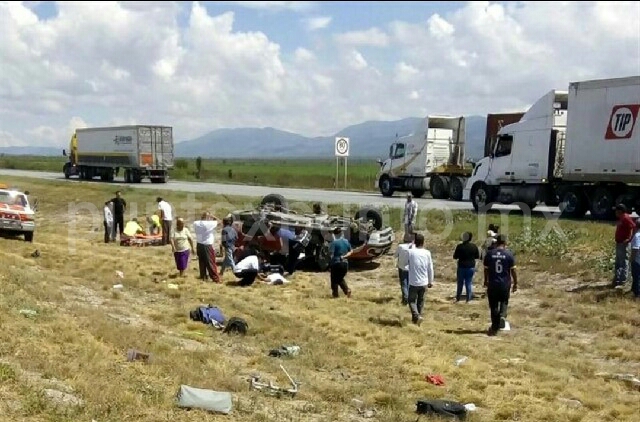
{"type": "Point", "coordinates": [236, 325]}
{"type": "Point", "coordinates": [447, 408]}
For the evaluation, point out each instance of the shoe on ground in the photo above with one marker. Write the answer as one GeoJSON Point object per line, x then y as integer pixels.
{"type": "Point", "coordinates": [419, 321]}
{"type": "Point", "coordinates": [349, 294]}
{"type": "Point", "coordinates": [491, 332]}
{"type": "Point", "coordinates": [503, 323]}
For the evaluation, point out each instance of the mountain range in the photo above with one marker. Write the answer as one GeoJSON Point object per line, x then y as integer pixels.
{"type": "Point", "coordinates": [367, 140]}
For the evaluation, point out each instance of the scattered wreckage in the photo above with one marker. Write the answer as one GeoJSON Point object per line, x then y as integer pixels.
{"type": "Point", "coordinates": [365, 231]}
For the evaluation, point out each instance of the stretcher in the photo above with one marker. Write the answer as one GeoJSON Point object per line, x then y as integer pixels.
{"type": "Point", "coordinates": [141, 240]}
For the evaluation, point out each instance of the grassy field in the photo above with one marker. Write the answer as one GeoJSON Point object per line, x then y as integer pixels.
{"type": "Point", "coordinates": [306, 173]}
{"type": "Point", "coordinates": [68, 362]}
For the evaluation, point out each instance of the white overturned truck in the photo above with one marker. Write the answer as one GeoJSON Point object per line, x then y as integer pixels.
{"type": "Point", "coordinates": [141, 151]}
{"type": "Point", "coordinates": [578, 149]}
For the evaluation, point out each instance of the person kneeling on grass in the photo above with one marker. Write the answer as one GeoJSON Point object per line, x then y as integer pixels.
{"type": "Point", "coordinates": [132, 228]}
{"type": "Point", "coordinates": [181, 245]}
{"type": "Point", "coordinates": [247, 269]}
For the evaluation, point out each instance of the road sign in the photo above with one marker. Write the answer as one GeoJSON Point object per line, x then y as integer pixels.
{"type": "Point", "coordinates": [342, 147]}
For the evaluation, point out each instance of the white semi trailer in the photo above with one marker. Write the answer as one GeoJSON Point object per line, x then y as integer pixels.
{"type": "Point", "coordinates": [579, 149]}
{"type": "Point", "coordinates": [140, 151]}
{"type": "Point", "coordinates": [431, 158]}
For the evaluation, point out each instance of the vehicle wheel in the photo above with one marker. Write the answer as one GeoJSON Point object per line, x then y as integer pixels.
{"type": "Point", "coordinates": [418, 193]}
{"type": "Point", "coordinates": [65, 170]}
{"type": "Point", "coordinates": [275, 199]}
{"type": "Point", "coordinates": [480, 198]}
{"type": "Point", "coordinates": [573, 204]}
{"type": "Point", "coordinates": [386, 187]}
{"type": "Point", "coordinates": [323, 258]}
{"type": "Point", "coordinates": [602, 204]}
{"type": "Point", "coordinates": [127, 176]}
{"type": "Point", "coordinates": [439, 187]}
{"type": "Point", "coordinates": [371, 214]}
{"type": "Point", "coordinates": [456, 186]}
{"type": "Point", "coordinates": [28, 237]}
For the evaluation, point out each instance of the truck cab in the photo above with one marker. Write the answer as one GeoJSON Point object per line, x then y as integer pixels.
{"type": "Point", "coordinates": [525, 158]}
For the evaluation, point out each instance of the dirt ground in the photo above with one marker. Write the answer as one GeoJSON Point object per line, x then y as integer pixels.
{"type": "Point", "coordinates": [360, 358]}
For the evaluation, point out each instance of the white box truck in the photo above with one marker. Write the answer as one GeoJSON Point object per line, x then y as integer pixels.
{"type": "Point", "coordinates": [578, 149]}
{"type": "Point", "coordinates": [140, 151]}
{"type": "Point", "coordinates": [431, 158]}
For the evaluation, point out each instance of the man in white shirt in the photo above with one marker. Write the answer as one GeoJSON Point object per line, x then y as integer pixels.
{"type": "Point", "coordinates": [109, 233]}
{"type": "Point", "coordinates": [420, 269]}
{"type": "Point", "coordinates": [402, 263]}
{"type": "Point", "coordinates": [204, 230]}
{"type": "Point", "coordinates": [247, 270]}
{"type": "Point", "coordinates": [166, 215]}
{"type": "Point", "coordinates": [409, 216]}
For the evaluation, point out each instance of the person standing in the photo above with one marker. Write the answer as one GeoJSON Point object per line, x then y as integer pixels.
{"type": "Point", "coordinates": [289, 246]}
{"type": "Point", "coordinates": [181, 245]}
{"type": "Point", "coordinates": [624, 232]}
{"type": "Point", "coordinates": [490, 241]}
{"type": "Point", "coordinates": [409, 216]}
{"type": "Point", "coordinates": [635, 261]}
{"type": "Point", "coordinates": [339, 250]}
{"type": "Point", "coordinates": [119, 207]}
{"type": "Point", "coordinates": [204, 230]}
{"type": "Point", "coordinates": [108, 222]}
{"type": "Point", "coordinates": [228, 241]}
{"type": "Point", "coordinates": [420, 267]}
{"type": "Point", "coordinates": [466, 253]}
{"type": "Point", "coordinates": [500, 279]}
{"type": "Point", "coordinates": [166, 215]}
{"type": "Point", "coordinates": [402, 262]}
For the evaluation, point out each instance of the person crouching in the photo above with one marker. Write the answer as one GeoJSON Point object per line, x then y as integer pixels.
{"type": "Point", "coordinates": [247, 269]}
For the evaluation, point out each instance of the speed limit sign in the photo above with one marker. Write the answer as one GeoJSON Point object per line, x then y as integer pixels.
{"type": "Point", "coordinates": [342, 147]}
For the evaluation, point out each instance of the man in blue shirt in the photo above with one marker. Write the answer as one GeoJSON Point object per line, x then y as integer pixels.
{"type": "Point", "coordinates": [339, 250]}
{"type": "Point", "coordinates": [228, 243]}
{"type": "Point", "coordinates": [500, 279]}
{"type": "Point", "coordinates": [289, 244]}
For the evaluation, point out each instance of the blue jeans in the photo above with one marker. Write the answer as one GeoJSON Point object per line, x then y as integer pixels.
{"type": "Point", "coordinates": [465, 278]}
{"type": "Point", "coordinates": [635, 277]}
{"type": "Point", "coordinates": [622, 262]}
{"type": "Point", "coordinates": [228, 260]}
{"type": "Point", "coordinates": [404, 285]}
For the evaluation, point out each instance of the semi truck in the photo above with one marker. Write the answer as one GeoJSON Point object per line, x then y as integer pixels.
{"type": "Point", "coordinates": [139, 151]}
{"type": "Point", "coordinates": [431, 158]}
{"type": "Point", "coordinates": [578, 149]}
{"type": "Point", "coordinates": [495, 122]}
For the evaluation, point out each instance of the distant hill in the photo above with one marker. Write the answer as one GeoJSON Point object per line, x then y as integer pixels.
{"type": "Point", "coordinates": [368, 140]}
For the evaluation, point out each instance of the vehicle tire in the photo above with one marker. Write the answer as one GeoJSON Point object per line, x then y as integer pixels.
{"type": "Point", "coordinates": [439, 187]}
{"type": "Point", "coordinates": [371, 214]}
{"type": "Point", "coordinates": [573, 204]}
{"type": "Point", "coordinates": [28, 237]}
{"type": "Point", "coordinates": [127, 176]}
{"type": "Point", "coordinates": [275, 199]}
{"type": "Point", "coordinates": [418, 193]}
{"type": "Point", "coordinates": [602, 204]}
{"type": "Point", "coordinates": [65, 170]}
{"type": "Point", "coordinates": [480, 198]}
{"type": "Point", "coordinates": [456, 186]}
{"type": "Point", "coordinates": [386, 187]}
{"type": "Point", "coordinates": [323, 257]}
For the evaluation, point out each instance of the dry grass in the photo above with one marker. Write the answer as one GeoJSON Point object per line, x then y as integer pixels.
{"type": "Point", "coordinates": [363, 348]}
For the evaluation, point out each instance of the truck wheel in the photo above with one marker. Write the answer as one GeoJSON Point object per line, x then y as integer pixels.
{"type": "Point", "coordinates": [28, 237]}
{"type": "Point", "coordinates": [439, 187]}
{"type": "Point", "coordinates": [480, 198]}
{"type": "Point", "coordinates": [418, 193]}
{"type": "Point", "coordinates": [65, 170]}
{"type": "Point", "coordinates": [456, 186]}
{"type": "Point", "coordinates": [573, 204]}
{"type": "Point", "coordinates": [386, 187]}
{"type": "Point", "coordinates": [323, 257]}
{"type": "Point", "coordinates": [602, 204]}
{"type": "Point", "coordinates": [370, 214]}
{"type": "Point", "coordinates": [275, 199]}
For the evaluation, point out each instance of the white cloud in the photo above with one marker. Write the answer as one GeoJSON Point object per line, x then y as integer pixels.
{"type": "Point", "coordinates": [201, 73]}
{"type": "Point", "coordinates": [373, 37]}
{"type": "Point", "coordinates": [275, 5]}
{"type": "Point", "coordinates": [318, 22]}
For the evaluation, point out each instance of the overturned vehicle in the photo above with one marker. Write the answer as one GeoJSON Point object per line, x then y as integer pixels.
{"type": "Point", "coordinates": [365, 231]}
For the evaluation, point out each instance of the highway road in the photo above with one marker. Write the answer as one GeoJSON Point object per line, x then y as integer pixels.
{"type": "Point", "coordinates": [292, 194]}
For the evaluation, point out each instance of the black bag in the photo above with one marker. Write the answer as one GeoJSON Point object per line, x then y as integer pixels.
{"type": "Point", "coordinates": [236, 325]}
{"type": "Point", "coordinates": [447, 408]}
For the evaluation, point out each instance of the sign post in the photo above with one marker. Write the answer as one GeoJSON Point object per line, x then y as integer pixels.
{"type": "Point", "coordinates": [341, 151]}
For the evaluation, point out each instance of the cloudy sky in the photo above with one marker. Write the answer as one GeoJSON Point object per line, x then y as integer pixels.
{"type": "Point", "coordinates": [306, 67]}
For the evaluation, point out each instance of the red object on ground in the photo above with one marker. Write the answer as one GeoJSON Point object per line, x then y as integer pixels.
{"type": "Point", "coordinates": [435, 379]}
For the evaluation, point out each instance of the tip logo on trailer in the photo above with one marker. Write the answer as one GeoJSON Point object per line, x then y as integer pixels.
{"type": "Point", "coordinates": [622, 121]}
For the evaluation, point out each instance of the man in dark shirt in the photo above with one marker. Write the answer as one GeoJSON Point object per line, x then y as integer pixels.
{"type": "Point", "coordinates": [466, 253]}
{"type": "Point", "coordinates": [624, 233]}
{"type": "Point", "coordinates": [289, 245]}
{"type": "Point", "coordinates": [228, 244]}
{"type": "Point", "coordinates": [119, 207]}
{"type": "Point", "coordinates": [500, 279]}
